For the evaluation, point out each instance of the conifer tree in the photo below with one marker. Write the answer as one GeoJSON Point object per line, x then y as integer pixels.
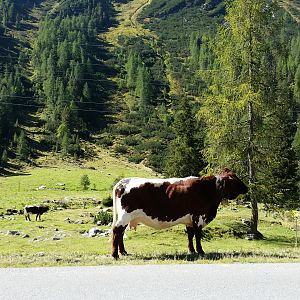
{"type": "Point", "coordinates": [246, 110]}
{"type": "Point", "coordinates": [184, 154]}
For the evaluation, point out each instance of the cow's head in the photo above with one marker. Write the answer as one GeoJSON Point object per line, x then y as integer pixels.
{"type": "Point", "coordinates": [45, 208]}
{"type": "Point", "coordinates": [230, 185]}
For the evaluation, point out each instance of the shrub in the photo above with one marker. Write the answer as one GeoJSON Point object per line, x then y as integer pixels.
{"type": "Point", "coordinates": [85, 182]}
{"type": "Point", "coordinates": [136, 158]}
{"type": "Point", "coordinates": [103, 217]}
{"type": "Point", "coordinates": [126, 129]}
{"type": "Point", "coordinates": [121, 149]}
{"type": "Point", "coordinates": [105, 141]}
{"type": "Point", "coordinates": [108, 201]}
{"type": "Point", "coordinates": [131, 141]}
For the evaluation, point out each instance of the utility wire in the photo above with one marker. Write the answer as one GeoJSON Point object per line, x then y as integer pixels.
{"type": "Point", "coordinates": [40, 106]}
{"type": "Point", "coordinates": [43, 98]}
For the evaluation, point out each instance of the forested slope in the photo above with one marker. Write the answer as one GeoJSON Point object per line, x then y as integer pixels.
{"type": "Point", "coordinates": [133, 77]}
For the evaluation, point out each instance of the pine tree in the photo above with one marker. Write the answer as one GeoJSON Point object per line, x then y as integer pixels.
{"type": "Point", "coordinates": [23, 150]}
{"type": "Point", "coordinates": [143, 90]}
{"type": "Point", "coordinates": [184, 154]}
{"type": "Point", "coordinates": [246, 111]}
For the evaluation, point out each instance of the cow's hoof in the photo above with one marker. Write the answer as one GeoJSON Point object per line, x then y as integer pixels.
{"type": "Point", "coordinates": [124, 253]}
{"type": "Point", "coordinates": [115, 256]}
{"type": "Point", "coordinates": [201, 253]}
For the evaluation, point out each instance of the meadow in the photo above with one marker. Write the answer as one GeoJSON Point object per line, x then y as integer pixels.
{"type": "Point", "coordinates": [60, 238]}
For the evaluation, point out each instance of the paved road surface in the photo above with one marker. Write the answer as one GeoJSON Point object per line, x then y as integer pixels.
{"type": "Point", "coordinates": [234, 281]}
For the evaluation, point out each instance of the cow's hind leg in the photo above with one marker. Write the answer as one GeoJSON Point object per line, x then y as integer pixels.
{"type": "Point", "coordinates": [117, 241]}
{"type": "Point", "coordinates": [121, 244]}
{"type": "Point", "coordinates": [198, 235]}
{"type": "Point", "coordinates": [190, 232]}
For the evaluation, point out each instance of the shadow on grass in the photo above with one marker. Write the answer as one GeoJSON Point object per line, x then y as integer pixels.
{"type": "Point", "coordinates": [212, 256]}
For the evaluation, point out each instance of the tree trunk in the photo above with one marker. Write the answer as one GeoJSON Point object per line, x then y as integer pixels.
{"type": "Point", "coordinates": [251, 171]}
{"type": "Point", "coordinates": [254, 216]}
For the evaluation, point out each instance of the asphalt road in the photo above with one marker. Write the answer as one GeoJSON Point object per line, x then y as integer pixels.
{"type": "Point", "coordinates": [234, 281]}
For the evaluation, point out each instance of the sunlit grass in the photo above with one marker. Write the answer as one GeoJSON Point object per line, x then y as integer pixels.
{"type": "Point", "coordinates": [145, 245]}
{"type": "Point", "coordinates": [126, 22]}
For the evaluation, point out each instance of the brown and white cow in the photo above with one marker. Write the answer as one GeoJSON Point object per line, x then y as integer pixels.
{"type": "Point", "coordinates": [34, 209]}
{"type": "Point", "coordinates": [162, 203]}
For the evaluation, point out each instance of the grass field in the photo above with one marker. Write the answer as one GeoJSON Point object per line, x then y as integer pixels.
{"type": "Point", "coordinates": [58, 239]}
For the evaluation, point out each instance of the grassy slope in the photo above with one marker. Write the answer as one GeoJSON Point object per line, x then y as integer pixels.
{"type": "Point", "coordinates": [127, 23]}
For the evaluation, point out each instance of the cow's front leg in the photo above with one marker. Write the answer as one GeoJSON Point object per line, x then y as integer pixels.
{"type": "Point", "coordinates": [198, 235]}
{"type": "Point", "coordinates": [190, 232]}
{"type": "Point", "coordinates": [117, 241]}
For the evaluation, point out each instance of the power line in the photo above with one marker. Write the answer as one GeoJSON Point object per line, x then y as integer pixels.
{"type": "Point", "coordinates": [40, 106]}
{"type": "Point", "coordinates": [60, 41]}
{"type": "Point", "coordinates": [43, 98]}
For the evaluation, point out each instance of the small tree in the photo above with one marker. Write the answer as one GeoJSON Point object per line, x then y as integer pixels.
{"type": "Point", "coordinates": [23, 150]}
{"type": "Point", "coordinates": [4, 157]}
{"type": "Point", "coordinates": [85, 182]}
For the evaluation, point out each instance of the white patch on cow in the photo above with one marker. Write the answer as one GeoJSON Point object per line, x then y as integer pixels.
{"type": "Point", "coordinates": [138, 216]}
{"type": "Point", "coordinates": [135, 182]}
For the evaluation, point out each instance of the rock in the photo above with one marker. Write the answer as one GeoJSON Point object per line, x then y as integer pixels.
{"type": "Point", "coordinates": [94, 231]}
{"type": "Point", "coordinates": [107, 209]}
{"type": "Point", "coordinates": [25, 236]}
{"type": "Point", "coordinates": [13, 232]}
{"type": "Point", "coordinates": [250, 236]}
{"type": "Point", "coordinates": [67, 220]}
{"type": "Point", "coordinates": [60, 184]}
{"type": "Point", "coordinates": [104, 234]}
{"type": "Point", "coordinates": [42, 187]}
{"type": "Point", "coordinates": [79, 221]}
{"type": "Point", "coordinates": [41, 254]}
{"type": "Point", "coordinates": [11, 211]}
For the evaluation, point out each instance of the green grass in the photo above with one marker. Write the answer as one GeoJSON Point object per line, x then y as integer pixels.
{"type": "Point", "coordinates": [21, 188]}
{"type": "Point", "coordinates": [224, 240]}
{"type": "Point", "coordinates": [146, 246]}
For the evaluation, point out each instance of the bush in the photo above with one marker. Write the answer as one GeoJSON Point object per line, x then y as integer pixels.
{"type": "Point", "coordinates": [108, 202]}
{"type": "Point", "coordinates": [136, 158]}
{"type": "Point", "coordinates": [85, 182]}
{"type": "Point", "coordinates": [131, 141]}
{"type": "Point", "coordinates": [105, 141]}
{"type": "Point", "coordinates": [121, 149]}
{"type": "Point", "coordinates": [126, 129]}
{"type": "Point", "coordinates": [103, 217]}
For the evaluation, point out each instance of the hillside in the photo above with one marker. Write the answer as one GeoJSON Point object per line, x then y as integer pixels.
{"type": "Point", "coordinates": [60, 109]}
{"type": "Point", "coordinates": [114, 74]}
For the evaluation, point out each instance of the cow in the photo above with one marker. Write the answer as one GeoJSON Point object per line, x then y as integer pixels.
{"type": "Point", "coordinates": [163, 203]}
{"type": "Point", "coordinates": [34, 209]}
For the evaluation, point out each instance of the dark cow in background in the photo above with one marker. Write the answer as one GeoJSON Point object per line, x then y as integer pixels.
{"type": "Point", "coordinates": [34, 209]}
{"type": "Point", "coordinates": [162, 203]}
